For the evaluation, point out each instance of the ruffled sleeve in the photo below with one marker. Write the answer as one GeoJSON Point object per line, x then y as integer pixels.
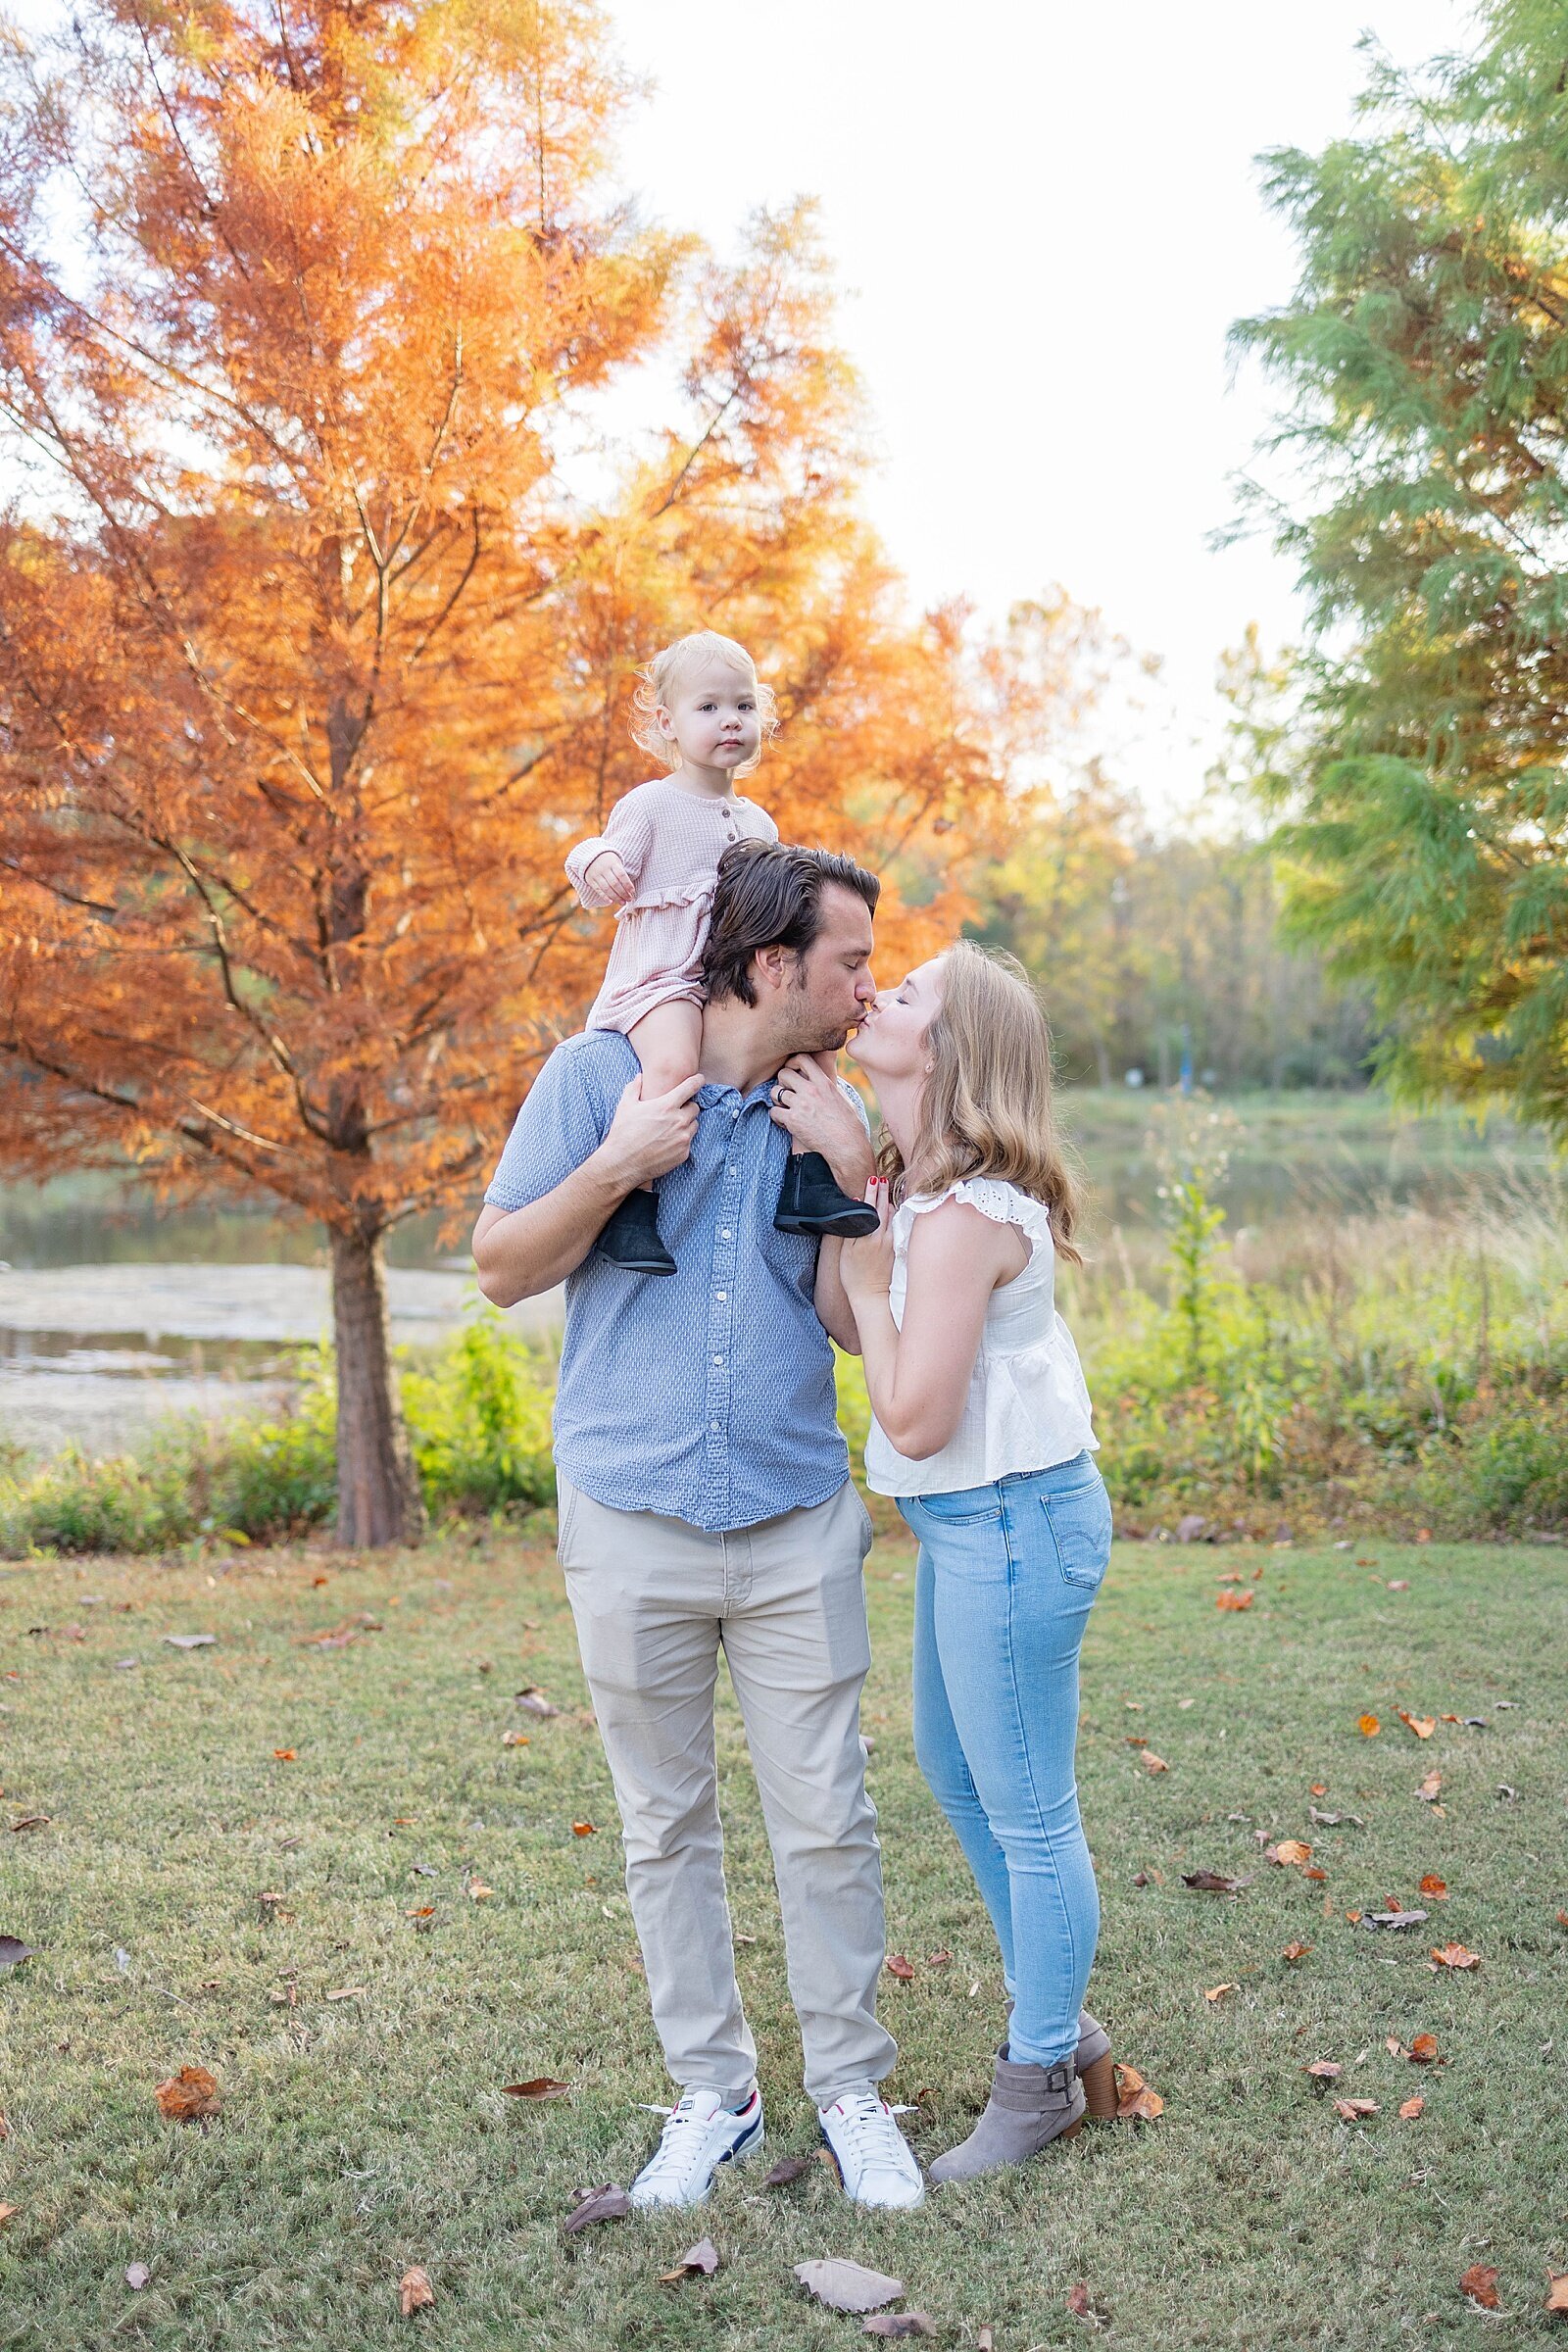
{"type": "Point", "coordinates": [1004, 1204]}
{"type": "Point", "coordinates": [629, 832]}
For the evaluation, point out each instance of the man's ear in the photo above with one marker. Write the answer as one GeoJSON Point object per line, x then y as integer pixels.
{"type": "Point", "coordinates": [772, 967]}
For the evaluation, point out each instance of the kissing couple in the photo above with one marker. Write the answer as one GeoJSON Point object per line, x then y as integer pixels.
{"type": "Point", "coordinates": [704, 1493]}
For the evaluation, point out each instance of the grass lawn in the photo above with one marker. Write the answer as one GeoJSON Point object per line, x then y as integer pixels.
{"type": "Point", "coordinates": [363, 2134]}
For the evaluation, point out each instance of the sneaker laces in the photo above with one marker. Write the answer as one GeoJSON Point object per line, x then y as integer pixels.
{"type": "Point", "coordinates": [681, 2145]}
{"type": "Point", "coordinates": [865, 2123]}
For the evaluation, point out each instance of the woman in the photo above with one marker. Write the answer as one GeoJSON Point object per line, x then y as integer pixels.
{"type": "Point", "coordinates": [982, 1432]}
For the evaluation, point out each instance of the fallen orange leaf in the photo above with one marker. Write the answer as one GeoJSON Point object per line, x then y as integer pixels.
{"type": "Point", "coordinates": [583, 1828]}
{"type": "Point", "coordinates": [514, 1738]}
{"type": "Point", "coordinates": [542, 2086]}
{"type": "Point", "coordinates": [1423, 1726]}
{"type": "Point", "coordinates": [1235, 1601]}
{"type": "Point", "coordinates": [286, 1755]}
{"type": "Point", "coordinates": [1295, 1952]}
{"type": "Point", "coordinates": [426, 1911]}
{"type": "Point", "coordinates": [1313, 1872]}
{"type": "Point", "coordinates": [1556, 2291]}
{"type": "Point", "coordinates": [1437, 1887]}
{"type": "Point", "coordinates": [1152, 1762]}
{"type": "Point", "coordinates": [1423, 2050]}
{"type": "Point", "coordinates": [1135, 2102]}
{"type": "Point", "coordinates": [1455, 1955]}
{"type": "Point", "coordinates": [1369, 1727]}
{"type": "Point", "coordinates": [1428, 1791]}
{"type": "Point", "coordinates": [1411, 2108]}
{"type": "Point", "coordinates": [190, 2096]}
{"type": "Point", "coordinates": [1318, 1788]}
{"type": "Point", "coordinates": [1289, 1853]}
{"type": "Point", "coordinates": [1352, 2111]}
{"type": "Point", "coordinates": [1217, 1993]}
{"type": "Point", "coordinates": [414, 2290]}
{"type": "Point", "coordinates": [6, 2211]}
{"type": "Point", "coordinates": [478, 1892]}
{"type": "Point", "coordinates": [1479, 2283]}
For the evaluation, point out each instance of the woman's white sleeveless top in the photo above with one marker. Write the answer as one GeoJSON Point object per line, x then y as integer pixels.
{"type": "Point", "coordinates": [1027, 1406]}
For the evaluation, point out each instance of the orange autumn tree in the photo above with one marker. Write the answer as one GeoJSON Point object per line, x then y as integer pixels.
{"type": "Point", "coordinates": [316, 651]}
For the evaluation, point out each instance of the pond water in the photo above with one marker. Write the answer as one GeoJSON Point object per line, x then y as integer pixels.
{"type": "Point", "coordinates": [115, 1308]}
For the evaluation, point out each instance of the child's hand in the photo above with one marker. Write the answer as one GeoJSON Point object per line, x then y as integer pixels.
{"type": "Point", "coordinates": [866, 1268]}
{"type": "Point", "coordinates": [607, 877]}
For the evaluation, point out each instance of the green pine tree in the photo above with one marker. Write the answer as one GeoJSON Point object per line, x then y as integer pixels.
{"type": "Point", "coordinates": [1424, 793]}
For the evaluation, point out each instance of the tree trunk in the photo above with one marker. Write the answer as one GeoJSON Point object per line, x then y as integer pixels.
{"type": "Point", "coordinates": [377, 1490]}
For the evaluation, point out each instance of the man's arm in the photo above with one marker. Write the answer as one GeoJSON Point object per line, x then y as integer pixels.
{"type": "Point", "coordinates": [521, 1252]}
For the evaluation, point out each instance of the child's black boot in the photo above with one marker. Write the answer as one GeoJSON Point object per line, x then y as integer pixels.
{"type": "Point", "coordinates": [810, 1201]}
{"type": "Point", "coordinates": [631, 1237]}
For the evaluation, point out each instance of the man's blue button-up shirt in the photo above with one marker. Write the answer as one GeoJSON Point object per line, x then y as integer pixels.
{"type": "Point", "coordinates": [706, 1396]}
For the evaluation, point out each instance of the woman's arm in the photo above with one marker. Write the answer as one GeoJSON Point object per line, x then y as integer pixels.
{"type": "Point", "coordinates": [833, 1309]}
{"type": "Point", "coordinates": [917, 1379]}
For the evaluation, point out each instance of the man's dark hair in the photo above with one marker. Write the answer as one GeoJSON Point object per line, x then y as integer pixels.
{"type": "Point", "coordinates": [769, 894]}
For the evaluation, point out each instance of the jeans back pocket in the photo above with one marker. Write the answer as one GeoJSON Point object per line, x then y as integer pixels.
{"type": "Point", "coordinates": [1080, 1527]}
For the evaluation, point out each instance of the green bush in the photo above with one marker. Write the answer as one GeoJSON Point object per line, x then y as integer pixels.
{"type": "Point", "coordinates": [480, 1422]}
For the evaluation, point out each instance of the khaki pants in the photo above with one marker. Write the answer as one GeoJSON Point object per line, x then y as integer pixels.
{"type": "Point", "coordinates": [653, 1600]}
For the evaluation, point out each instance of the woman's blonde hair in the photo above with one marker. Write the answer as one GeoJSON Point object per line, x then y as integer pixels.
{"type": "Point", "coordinates": [986, 1108]}
{"type": "Point", "coordinates": [658, 681]}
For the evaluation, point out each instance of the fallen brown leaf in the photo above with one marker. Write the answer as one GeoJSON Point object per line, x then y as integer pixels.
{"type": "Point", "coordinates": [986, 2340]}
{"type": "Point", "coordinates": [1455, 1955]}
{"type": "Point", "coordinates": [897, 1966]}
{"type": "Point", "coordinates": [190, 2096]}
{"type": "Point", "coordinates": [414, 2291]}
{"type": "Point", "coordinates": [1080, 2307]}
{"type": "Point", "coordinates": [137, 2275]}
{"type": "Point", "coordinates": [1323, 2070]}
{"type": "Point", "coordinates": [1479, 2283]}
{"type": "Point", "coordinates": [1352, 2111]}
{"type": "Point", "coordinates": [13, 1951]}
{"type": "Point", "coordinates": [1562, 1919]}
{"type": "Point", "coordinates": [847, 2285]}
{"type": "Point", "coordinates": [899, 2322]}
{"type": "Point", "coordinates": [514, 1740]}
{"type": "Point", "coordinates": [1435, 1886]}
{"type": "Point", "coordinates": [1556, 2291]}
{"type": "Point", "coordinates": [534, 1702]}
{"type": "Point", "coordinates": [6, 2211]}
{"type": "Point", "coordinates": [1136, 2102]}
{"type": "Point", "coordinates": [1411, 2108]}
{"type": "Point", "coordinates": [347, 1992]}
{"type": "Point", "coordinates": [1428, 1791]}
{"type": "Point", "coordinates": [1134, 1739]}
{"type": "Point", "coordinates": [1213, 1881]}
{"type": "Point", "coordinates": [1368, 1725]}
{"type": "Point", "coordinates": [32, 1821]}
{"type": "Point", "coordinates": [942, 1959]}
{"type": "Point", "coordinates": [608, 2204]}
{"type": "Point", "coordinates": [542, 2086]}
{"type": "Point", "coordinates": [1233, 1600]}
{"type": "Point", "coordinates": [1295, 1952]}
{"type": "Point", "coordinates": [1217, 1993]}
{"type": "Point", "coordinates": [1392, 1918]}
{"type": "Point", "coordinates": [1423, 2051]}
{"type": "Point", "coordinates": [478, 1892]}
{"type": "Point", "coordinates": [1289, 1854]}
{"type": "Point", "coordinates": [787, 2169]}
{"type": "Point", "coordinates": [698, 2261]}
{"type": "Point", "coordinates": [1423, 1726]}
{"type": "Point", "coordinates": [1150, 1762]}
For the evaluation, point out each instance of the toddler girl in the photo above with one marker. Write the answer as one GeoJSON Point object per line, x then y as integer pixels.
{"type": "Point", "coordinates": [702, 712]}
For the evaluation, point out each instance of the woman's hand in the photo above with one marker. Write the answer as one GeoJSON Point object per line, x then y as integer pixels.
{"type": "Point", "coordinates": [865, 1267]}
{"type": "Point", "coordinates": [810, 1106]}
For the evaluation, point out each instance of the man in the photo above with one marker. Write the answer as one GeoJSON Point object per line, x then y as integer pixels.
{"type": "Point", "coordinates": [706, 1504]}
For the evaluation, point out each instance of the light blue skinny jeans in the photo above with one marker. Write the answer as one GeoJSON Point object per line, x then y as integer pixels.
{"type": "Point", "coordinates": [1008, 1574]}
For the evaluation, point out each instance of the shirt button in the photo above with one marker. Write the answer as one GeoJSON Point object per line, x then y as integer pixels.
{"type": "Point", "coordinates": [718, 1359]}
{"type": "Point", "coordinates": [733, 1169]}
{"type": "Point", "coordinates": [721, 1294]}
{"type": "Point", "coordinates": [727, 1235]}
{"type": "Point", "coordinates": [712, 1425]}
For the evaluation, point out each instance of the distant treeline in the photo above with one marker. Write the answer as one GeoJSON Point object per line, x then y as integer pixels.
{"type": "Point", "coordinates": [1150, 946]}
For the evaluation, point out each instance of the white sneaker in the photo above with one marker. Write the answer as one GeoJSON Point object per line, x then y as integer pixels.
{"type": "Point", "coordinates": [876, 2162]}
{"type": "Point", "coordinates": [702, 2134]}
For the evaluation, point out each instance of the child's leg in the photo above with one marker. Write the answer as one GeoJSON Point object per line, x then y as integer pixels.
{"type": "Point", "coordinates": [669, 1043]}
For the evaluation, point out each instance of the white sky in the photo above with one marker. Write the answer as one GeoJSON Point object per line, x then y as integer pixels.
{"type": "Point", "coordinates": [1045, 218]}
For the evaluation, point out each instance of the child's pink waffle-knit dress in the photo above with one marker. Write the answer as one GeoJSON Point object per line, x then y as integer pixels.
{"type": "Point", "coordinates": [670, 841]}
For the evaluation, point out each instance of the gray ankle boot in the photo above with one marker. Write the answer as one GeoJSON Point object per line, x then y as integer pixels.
{"type": "Point", "coordinates": [1029, 2107]}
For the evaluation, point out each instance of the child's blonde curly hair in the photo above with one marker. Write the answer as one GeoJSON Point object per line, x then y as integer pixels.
{"type": "Point", "coordinates": [663, 674]}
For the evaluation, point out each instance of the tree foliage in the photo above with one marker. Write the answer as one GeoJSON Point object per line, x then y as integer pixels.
{"type": "Point", "coordinates": [316, 651]}
{"type": "Point", "coordinates": [1425, 357]}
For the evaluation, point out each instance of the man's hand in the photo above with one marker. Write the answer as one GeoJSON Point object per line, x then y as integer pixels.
{"type": "Point", "coordinates": [810, 1105]}
{"type": "Point", "coordinates": [648, 1137]}
{"type": "Point", "coordinates": [607, 877]}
